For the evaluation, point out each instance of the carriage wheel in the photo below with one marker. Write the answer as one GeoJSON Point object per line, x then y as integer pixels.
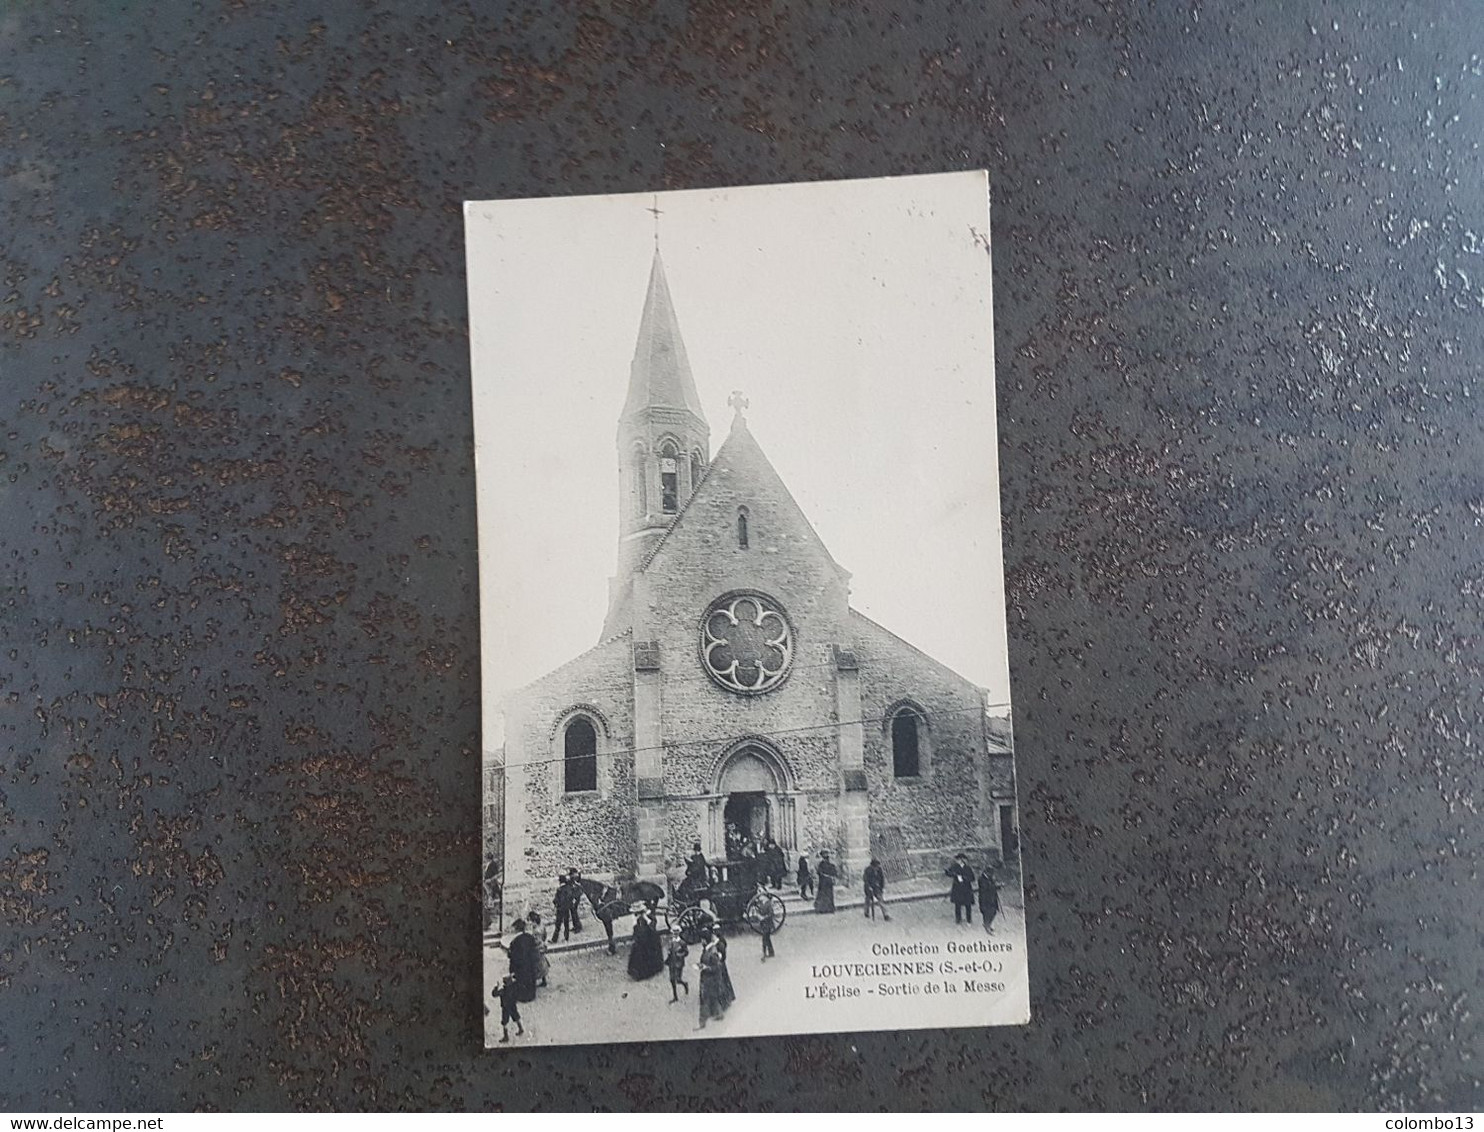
{"type": "Point", "coordinates": [674, 909]}
{"type": "Point", "coordinates": [765, 905]}
{"type": "Point", "coordinates": [693, 922]}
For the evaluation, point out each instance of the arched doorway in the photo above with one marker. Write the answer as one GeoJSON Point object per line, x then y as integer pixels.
{"type": "Point", "coordinates": [753, 793]}
{"type": "Point", "coordinates": [746, 784]}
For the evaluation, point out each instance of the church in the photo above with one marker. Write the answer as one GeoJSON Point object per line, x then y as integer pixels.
{"type": "Point", "coordinates": [732, 682]}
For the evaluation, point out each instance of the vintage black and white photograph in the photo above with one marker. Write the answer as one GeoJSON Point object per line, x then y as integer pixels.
{"type": "Point", "coordinates": [748, 763]}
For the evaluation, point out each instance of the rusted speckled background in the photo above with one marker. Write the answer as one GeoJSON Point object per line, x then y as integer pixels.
{"type": "Point", "coordinates": [1239, 270]}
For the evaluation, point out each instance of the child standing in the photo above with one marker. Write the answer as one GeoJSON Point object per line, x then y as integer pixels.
{"type": "Point", "coordinates": [509, 1007]}
{"type": "Point", "coordinates": [765, 925]}
{"type": "Point", "coordinates": [675, 960]}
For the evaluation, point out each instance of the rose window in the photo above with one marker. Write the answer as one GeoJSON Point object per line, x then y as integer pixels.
{"type": "Point", "coordinates": [746, 643]}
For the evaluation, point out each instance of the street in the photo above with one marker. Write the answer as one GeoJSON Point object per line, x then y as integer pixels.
{"type": "Point", "coordinates": [590, 997]}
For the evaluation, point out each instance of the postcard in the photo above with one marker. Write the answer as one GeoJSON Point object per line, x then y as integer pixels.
{"type": "Point", "coordinates": [748, 758]}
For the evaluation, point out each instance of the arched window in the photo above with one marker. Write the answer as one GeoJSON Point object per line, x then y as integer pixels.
{"type": "Point", "coordinates": [906, 753]}
{"type": "Point", "coordinates": [696, 468]}
{"type": "Point", "coordinates": [669, 478]}
{"type": "Point", "coordinates": [742, 528]}
{"type": "Point", "coordinates": [580, 766]}
{"type": "Point", "coordinates": [638, 488]}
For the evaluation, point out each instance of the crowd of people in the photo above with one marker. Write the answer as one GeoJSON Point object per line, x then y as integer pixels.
{"type": "Point", "coordinates": [649, 954]}
{"type": "Point", "coordinates": [743, 845]}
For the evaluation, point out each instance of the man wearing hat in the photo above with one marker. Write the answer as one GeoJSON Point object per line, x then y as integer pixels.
{"type": "Point", "coordinates": [875, 884]}
{"type": "Point", "coordinates": [574, 884]}
{"type": "Point", "coordinates": [962, 893]}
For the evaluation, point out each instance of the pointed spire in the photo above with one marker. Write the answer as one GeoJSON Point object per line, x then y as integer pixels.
{"type": "Point", "coordinates": [660, 376]}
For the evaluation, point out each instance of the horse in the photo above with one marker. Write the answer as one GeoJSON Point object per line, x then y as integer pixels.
{"type": "Point", "coordinates": [612, 901]}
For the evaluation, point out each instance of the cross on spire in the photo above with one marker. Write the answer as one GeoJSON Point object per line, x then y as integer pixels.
{"type": "Point", "coordinates": [655, 209]}
{"type": "Point", "coordinates": [738, 402]}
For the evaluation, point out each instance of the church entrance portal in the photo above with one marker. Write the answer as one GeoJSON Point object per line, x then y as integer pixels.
{"type": "Point", "coordinates": [748, 812]}
{"type": "Point", "coordinates": [753, 793]}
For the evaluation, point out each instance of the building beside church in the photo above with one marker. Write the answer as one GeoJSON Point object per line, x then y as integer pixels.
{"type": "Point", "coordinates": [733, 683]}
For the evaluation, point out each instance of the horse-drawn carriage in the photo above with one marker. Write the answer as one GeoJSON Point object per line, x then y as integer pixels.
{"type": "Point", "coordinates": [732, 894]}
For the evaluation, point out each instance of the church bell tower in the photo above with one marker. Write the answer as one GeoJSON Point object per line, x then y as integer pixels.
{"type": "Point", "coordinates": [663, 438]}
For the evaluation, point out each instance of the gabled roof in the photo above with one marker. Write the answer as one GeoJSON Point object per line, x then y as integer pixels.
{"type": "Point", "coordinates": [659, 376]}
{"type": "Point", "coordinates": [740, 443]}
{"type": "Point", "coordinates": [562, 669]}
{"type": "Point", "coordinates": [934, 661]}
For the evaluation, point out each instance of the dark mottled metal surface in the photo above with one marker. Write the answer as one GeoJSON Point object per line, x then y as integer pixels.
{"type": "Point", "coordinates": [1239, 285]}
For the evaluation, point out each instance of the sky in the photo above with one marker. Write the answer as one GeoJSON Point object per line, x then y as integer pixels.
{"type": "Point", "coordinates": [856, 318]}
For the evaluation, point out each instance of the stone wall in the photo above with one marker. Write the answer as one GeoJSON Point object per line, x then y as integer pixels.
{"type": "Point", "coordinates": [683, 829]}
{"type": "Point", "coordinates": [699, 561]}
{"type": "Point", "coordinates": [548, 831]}
{"type": "Point", "coordinates": [820, 828]}
{"type": "Point", "coordinates": [948, 808]}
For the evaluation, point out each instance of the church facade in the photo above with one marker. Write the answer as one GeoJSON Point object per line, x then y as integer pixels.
{"type": "Point", "coordinates": [733, 683]}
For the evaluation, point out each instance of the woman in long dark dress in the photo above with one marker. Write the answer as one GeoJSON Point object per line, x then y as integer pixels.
{"type": "Point", "coordinates": [728, 992]}
{"type": "Point", "coordinates": [713, 988]}
{"type": "Point", "coordinates": [989, 897]}
{"type": "Point", "coordinates": [646, 957]}
{"type": "Point", "coordinates": [825, 874]}
{"type": "Point", "coordinates": [524, 963]}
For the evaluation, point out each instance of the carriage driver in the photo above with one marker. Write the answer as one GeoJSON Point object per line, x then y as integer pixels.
{"type": "Point", "coordinates": [697, 881]}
